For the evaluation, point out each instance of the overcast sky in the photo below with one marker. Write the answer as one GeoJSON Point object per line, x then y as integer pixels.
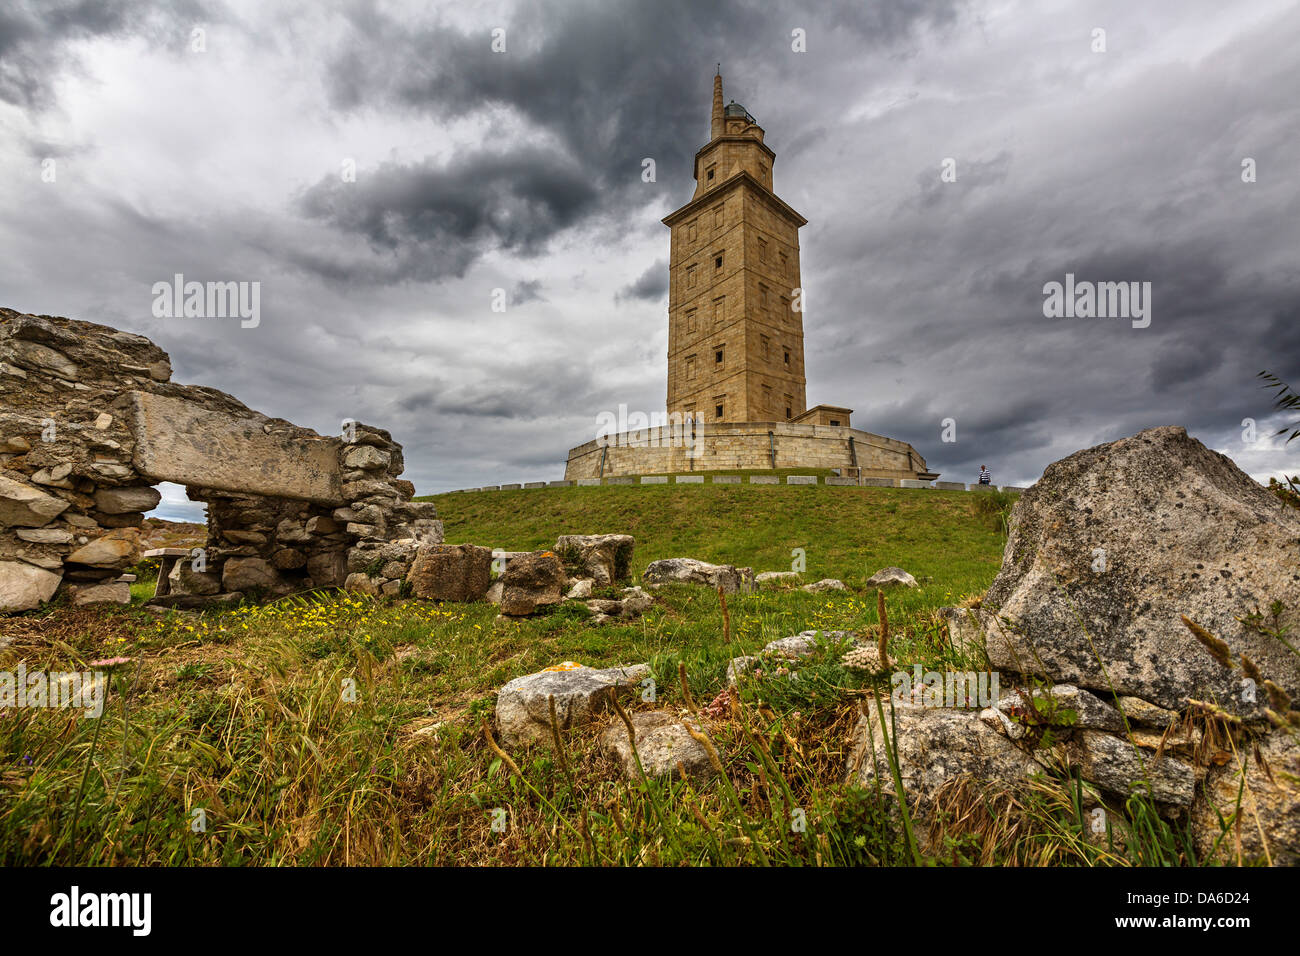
{"type": "Point", "coordinates": [221, 155]}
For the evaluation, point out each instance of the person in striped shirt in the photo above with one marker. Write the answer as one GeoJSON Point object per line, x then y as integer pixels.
{"type": "Point", "coordinates": [985, 477]}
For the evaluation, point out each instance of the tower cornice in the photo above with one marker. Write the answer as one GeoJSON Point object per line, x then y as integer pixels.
{"type": "Point", "coordinates": [730, 185]}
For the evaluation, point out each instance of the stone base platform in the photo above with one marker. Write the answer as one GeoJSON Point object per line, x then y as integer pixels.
{"type": "Point", "coordinates": [726, 446]}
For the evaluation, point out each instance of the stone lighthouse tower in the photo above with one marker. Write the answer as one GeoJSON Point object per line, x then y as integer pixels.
{"type": "Point", "coordinates": [735, 335]}
{"type": "Point", "coordinates": [736, 381]}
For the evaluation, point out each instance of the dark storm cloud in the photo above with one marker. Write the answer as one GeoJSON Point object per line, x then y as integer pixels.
{"type": "Point", "coordinates": [616, 83]}
{"type": "Point", "coordinates": [651, 287]}
{"type": "Point", "coordinates": [429, 221]}
{"type": "Point", "coordinates": [35, 36]}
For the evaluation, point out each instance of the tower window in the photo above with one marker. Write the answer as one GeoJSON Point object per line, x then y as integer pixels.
{"type": "Point", "coordinates": [690, 366]}
{"type": "Point", "coordinates": [690, 276]}
{"type": "Point", "coordinates": [717, 262]}
{"type": "Point", "coordinates": [709, 175]}
{"type": "Point", "coordinates": [690, 320]}
{"type": "Point", "coordinates": [717, 410]}
{"type": "Point", "coordinates": [717, 355]}
{"type": "Point", "coordinates": [787, 358]}
{"type": "Point", "coordinates": [767, 346]}
{"type": "Point", "coordinates": [787, 411]}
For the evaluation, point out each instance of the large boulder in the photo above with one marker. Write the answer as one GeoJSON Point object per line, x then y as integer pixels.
{"type": "Point", "coordinates": [1113, 544]}
{"type": "Point", "coordinates": [605, 558]}
{"type": "Point", "coordinates": [691, 571]}
{"type": "Point", "coordinates": [451, 572]}
{"type": "Point", "coordinates": [24, 587]}
{"type": "Point", "coordinates": [581, 695]}
{"type": "Point", "coordinates": [23, 506]}
{"type": "Point", "coordinates": [531, 581]}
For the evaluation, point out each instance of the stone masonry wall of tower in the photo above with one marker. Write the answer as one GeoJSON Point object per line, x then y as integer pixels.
{"type": "Point", "coordinates": [735, 343]}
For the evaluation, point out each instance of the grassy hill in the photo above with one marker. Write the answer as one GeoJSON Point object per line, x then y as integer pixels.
{"type": "Point", "coordinates": [339, 729]}
{"type": "Point", "coordinates": [941, 537]}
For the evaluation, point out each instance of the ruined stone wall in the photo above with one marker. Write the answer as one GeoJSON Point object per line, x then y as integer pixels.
{"type": "Point", "coordinates": [90, 419]}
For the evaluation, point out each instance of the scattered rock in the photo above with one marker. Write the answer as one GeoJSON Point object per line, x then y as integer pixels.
{"type": "Point", "coordinates": [889, 577]}
{"type": "Point", "coordinates": [581, 590]}
{"type": "Point", "coordinates": [825, 584]}
{"type": "Point", "coordinates": [451, 572]}
{"type": "Point", "coordinates": [785, 648]}
{"type": "Point", "coordinates": [581, 695]}
{"type": "Point", "coordinates": [663, 745]}
{"type": "Point", "coordinates": [636, 601]}
{"type": "Point", "coordinates": [690, 571]}
{"type": "Point", "coordinates": [532, 581]}
{"type": "Point", "coordinates": [606, 558]}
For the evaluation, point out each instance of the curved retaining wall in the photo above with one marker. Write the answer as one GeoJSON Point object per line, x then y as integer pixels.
{"type": "Point", "coordinates": [725, 446]}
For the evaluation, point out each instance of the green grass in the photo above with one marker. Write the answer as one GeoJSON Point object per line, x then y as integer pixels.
{"type": "Point", "coordinates": [305, 730]}
{"type": "Point", "coordinates": [846, 532]}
